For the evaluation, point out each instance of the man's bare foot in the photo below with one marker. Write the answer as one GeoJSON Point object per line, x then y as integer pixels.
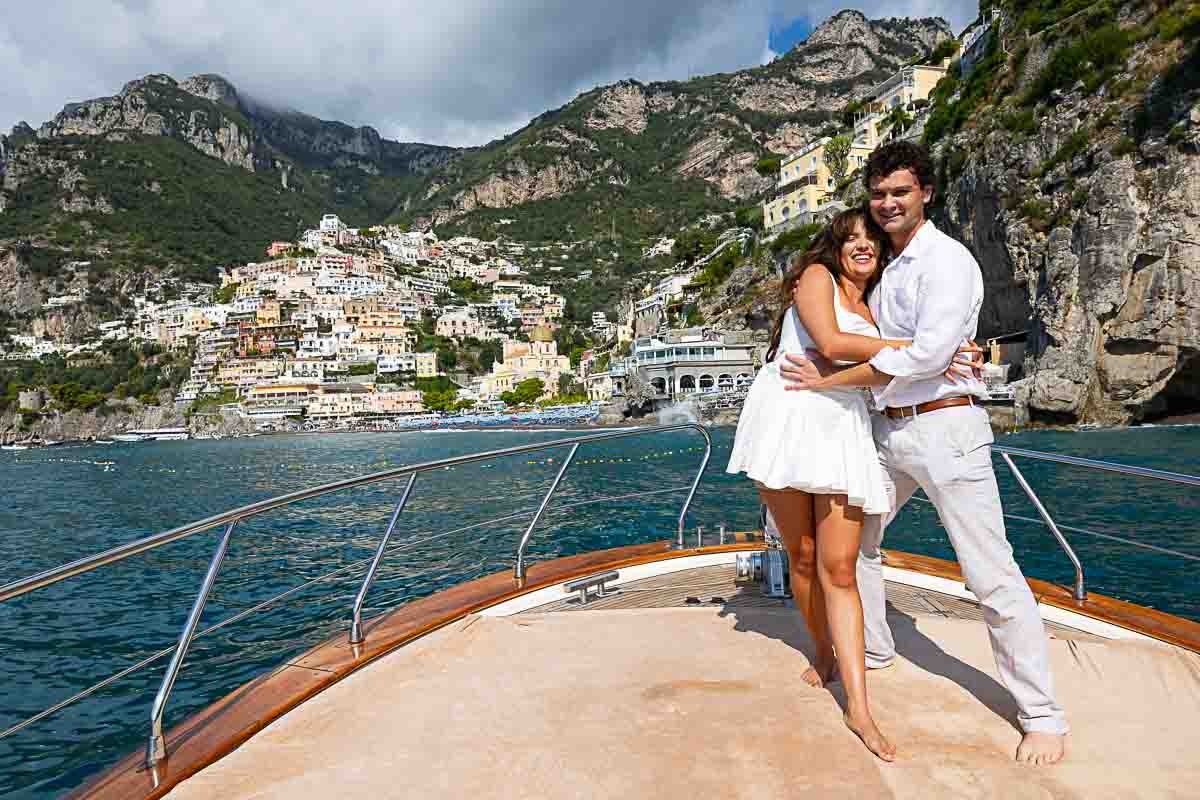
{"type": "Point", "coordinates": [864, 727]}
{"type": "Point", "coordinates": [824, 670]}
{"type": "Point", "coordinates": [1042, 748]}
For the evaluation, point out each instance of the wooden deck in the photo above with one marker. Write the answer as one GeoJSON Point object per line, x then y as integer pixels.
{"type": "Point", "coordinates": [240, 720]}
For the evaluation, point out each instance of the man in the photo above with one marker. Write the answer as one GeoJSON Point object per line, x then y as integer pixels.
{"type": "Point", "coordinates": [931, 435]}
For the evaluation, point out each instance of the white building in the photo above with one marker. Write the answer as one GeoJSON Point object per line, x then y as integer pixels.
{"type": "Point", "coordinates": [330, 223]}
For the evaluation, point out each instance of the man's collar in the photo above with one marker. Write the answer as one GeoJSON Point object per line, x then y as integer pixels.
{"type": "Point", "coordinates": [920, 241]}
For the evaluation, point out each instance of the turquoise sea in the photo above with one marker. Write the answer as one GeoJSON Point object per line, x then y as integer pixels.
{"type": "Point", "coordinates": [59, 504]}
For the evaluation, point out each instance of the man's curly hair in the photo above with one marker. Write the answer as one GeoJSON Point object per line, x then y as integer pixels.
{"type": "Point", "coordinates": [901, 154]}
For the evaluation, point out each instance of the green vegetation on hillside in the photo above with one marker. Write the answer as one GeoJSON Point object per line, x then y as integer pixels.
{"type": "Point", "coordinates": [1087, 51]}
{"type": "Point", "coordinates": [134, 371]}
{"type": "Point", "coordinates": [795, 240]}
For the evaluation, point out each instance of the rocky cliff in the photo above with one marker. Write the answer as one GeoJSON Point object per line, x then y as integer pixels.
{"type": "Point", "coordinates": [208, 113]}
{"type": "Point", "coordinates": [158, 106]}
{"type": "Point", "coordinates": [1081, 199]}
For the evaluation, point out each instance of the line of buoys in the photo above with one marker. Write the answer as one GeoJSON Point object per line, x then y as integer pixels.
{"type": "Point", "coordinates": [645, 457]}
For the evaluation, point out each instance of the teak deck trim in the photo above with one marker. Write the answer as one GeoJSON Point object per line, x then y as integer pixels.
{"type": "Point", "coordinates": [1155, 624]}
{"type": "Point", "coordinates": [207, 736]}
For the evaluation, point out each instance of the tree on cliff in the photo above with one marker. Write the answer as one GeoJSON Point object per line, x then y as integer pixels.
{"type": "Point", "coordinates": [837, 157]}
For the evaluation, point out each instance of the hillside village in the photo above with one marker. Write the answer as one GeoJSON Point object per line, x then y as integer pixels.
{"type": "Point", "coordinates": [350, 325]}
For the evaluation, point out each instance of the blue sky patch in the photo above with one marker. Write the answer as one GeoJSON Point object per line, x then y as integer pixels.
{"type": "Point", "coordinates": [785, 38]}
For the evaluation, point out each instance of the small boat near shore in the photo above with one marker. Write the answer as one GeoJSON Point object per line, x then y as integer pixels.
{"type": "Point", "coordinates": [23, 444]}
{"type": "Point", "coordinates": [153, 435]}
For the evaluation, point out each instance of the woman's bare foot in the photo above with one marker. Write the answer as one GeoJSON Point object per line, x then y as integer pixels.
{"type": "Point", "coordinates": [1041, 748]}
{"type": "Point", "coordinates": [864, 727]}
{"type": "Point", "coordinates": [823, 670]}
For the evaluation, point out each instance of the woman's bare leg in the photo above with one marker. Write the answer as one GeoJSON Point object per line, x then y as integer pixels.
{"type": "Point", "coordinates": [793, 514]}
{"type": "Point", "coordinates": [839, 531]}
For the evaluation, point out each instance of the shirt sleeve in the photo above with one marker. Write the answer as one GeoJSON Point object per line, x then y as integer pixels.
{"type": "Point", "coordinates": [944, 305]}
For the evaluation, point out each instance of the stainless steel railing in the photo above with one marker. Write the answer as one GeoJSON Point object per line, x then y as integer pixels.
{"type": "Point", "coordinates": [156, 746]}
{"type": "Point", "coordinates": [346, 568]}
{"type": "Point", "coordinates": [1006, 453]}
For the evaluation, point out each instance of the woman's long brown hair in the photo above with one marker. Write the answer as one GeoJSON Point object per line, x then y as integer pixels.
{"type": "Point", "coordinates": [826, 250]}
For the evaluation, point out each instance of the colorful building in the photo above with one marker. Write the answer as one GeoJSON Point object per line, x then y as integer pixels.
{"type": "Point", "coordinates": [906, 87]}
{"type": "Point", "coordinates": [805, 182]}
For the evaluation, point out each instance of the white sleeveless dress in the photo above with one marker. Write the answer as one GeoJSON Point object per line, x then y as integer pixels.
{"type": "Point", "coordinates": [816, 441]}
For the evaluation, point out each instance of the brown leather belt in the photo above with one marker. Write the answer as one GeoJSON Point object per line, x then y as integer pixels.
{"type": "Point", "coordinates": [932, 405]}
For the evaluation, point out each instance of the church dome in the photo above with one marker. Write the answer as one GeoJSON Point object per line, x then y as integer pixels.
{"type": "Point", "coordinates": [542, 334]}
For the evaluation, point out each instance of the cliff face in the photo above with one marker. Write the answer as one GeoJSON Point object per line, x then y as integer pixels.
{"type": "Point", "coordinates": [157, 106]}
{"type": "Point", "coordinates": [208, 113]}
{"type": "Point", "coordinates": [1086, 222]}
{"type": "Point", "coordinates": [696, 141]}
{"type": "Point", "coordinates": [19, 292]}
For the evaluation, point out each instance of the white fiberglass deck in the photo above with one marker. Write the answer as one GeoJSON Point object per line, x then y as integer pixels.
{"type": "Point", "coordinates": [657, 700]}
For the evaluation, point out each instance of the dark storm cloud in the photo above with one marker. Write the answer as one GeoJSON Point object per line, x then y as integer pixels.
{"type": "Point", "coordinates": [453, 72]}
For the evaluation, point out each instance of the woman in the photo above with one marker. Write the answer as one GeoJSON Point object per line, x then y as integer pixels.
{"type": "Point", "coordinates": [812, 456]}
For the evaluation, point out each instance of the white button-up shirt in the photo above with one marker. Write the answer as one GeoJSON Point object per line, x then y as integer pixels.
{"type": "Point", "coordinates": [931, 293]}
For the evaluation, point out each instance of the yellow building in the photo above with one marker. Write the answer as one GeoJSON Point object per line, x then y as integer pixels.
{"type": "Point", "coordinates": [281, 394]}
{"type": "Point", "coordinates": [906, 87]}
{"type": "Point", "coordinates": [405, 401]}
{"type": "Point", "coordinates": [426, 364]}
{"type": "Point", "coordinates": [538, 358]}
{"type": "Point", "coordinates": [805, 182]}
{"type": "Point", "coordinates": [269, 312]}
{"type": "Point", "coordinates": [195, 322]}
{"type": "Point", "coordinates": [243, 373]}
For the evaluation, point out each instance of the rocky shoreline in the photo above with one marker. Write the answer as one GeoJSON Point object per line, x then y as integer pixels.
{"type": "Point", "coordinates": [121, 416]}
{"type": "Point", "coordinates": [117, 417]}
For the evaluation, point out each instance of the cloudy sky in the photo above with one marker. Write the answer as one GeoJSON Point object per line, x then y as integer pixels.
{"type": "Point", "coordinates": [457, 72]}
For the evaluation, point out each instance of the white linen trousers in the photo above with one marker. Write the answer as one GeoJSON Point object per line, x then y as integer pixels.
{"type": "Point", "coordinates": [947, 453]}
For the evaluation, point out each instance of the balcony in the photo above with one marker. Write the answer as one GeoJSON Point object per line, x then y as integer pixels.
{"type": "Point", "coordinates": [809, 179]}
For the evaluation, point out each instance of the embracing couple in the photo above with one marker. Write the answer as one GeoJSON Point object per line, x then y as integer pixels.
{"type": "Point", "coordinates": [883, 299]}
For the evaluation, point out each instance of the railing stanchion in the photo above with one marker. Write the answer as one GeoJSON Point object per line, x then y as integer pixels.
{"type": "Point", "coordinates": [356, 634]}
{"type": "Point", "coordinates": [695, 483]}
{"type": "Point", "coordinates": [519, 568]}
{"type": "Point", "coordinates": [1079, 593]}
{"type": "Point", "coordinates": [156, 749]}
